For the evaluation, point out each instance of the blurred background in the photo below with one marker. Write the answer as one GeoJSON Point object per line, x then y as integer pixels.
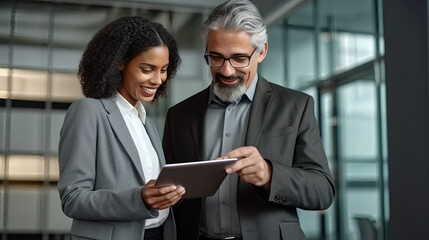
{"type": "Point", "coordinates": [330, 49]}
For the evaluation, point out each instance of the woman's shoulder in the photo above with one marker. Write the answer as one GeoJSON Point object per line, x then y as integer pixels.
{"type": "Point", "coordinates": [86, 101]}
{"type": "Point", "coordinates": [86, 105]}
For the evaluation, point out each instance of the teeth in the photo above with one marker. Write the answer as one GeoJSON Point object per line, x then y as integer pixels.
{"type": "Point", "coordinates": [149, 89]}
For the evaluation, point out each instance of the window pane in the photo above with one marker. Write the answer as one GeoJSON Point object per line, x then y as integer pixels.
{"type": "Point", "coordinates": [26, 167]}
{"type": "Point", "coordinates": [74, 33]}
{"type": "Point", "coordinates": [347, 34]}
{"type": "Point", "coordinates": [4, 75]}
{"type": "Point", "coordinates": [29, 84]}
{"type": "Point", "coordinates": [33, 57]}
{"type": "Point", "coordinates": [327, 124]}
{"type": "Point", "coordinates": [2, 129]}
{"type": "Point", "coordinates": [2, 170]}
{"type": "Point", "coordinates": [358, 145]}
{"type": "Point", "coordinates": [300, 57]}
{"type": "Point", "coordinates": [65, 87]}
{"type": "Point", "coordinates": [353, 49]}
{"type": "Point", "coordinates": [64, 59]}
{"type": "Point", "coordinates": [54, 169]}
{"type": "Point", "coordinates": [4, 54]}
{"type": "Point", "coordinates": [274, 66]}
{"type": "Point", "coordinates": [301, 47]}
{"type": "Point", "coordinates": [5, 12]}
{"type": "Point", "coordinates": [27, 130]}
{"type": "Point", "coordinates": [23, 213]}
{"type": "Point", "coordinates": [57, 221]}
{"type": "Point", "coordinates": [56, 122]}
{"type": "Point", "coordinates": [32, 25]}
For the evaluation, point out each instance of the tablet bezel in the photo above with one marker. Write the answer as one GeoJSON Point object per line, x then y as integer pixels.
{"type": "Point", "coordinates": [199, 178]}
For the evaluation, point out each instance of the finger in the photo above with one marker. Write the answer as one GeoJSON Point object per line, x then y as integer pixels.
{"type": "Point", "coordinates": [248, 170]}
{"type": "Point", "coordinates": [168, 200]}
{"type": "Point", "coordinates": [242, 164]}
{"type": "Point", "coordinates": [151, 195]}
{"type": "Point", "coordinates": [151, 183]}
{"type": "Point", "coordinates": [239, 152]}
{"type": "Point", "coordinates": [166, 189]}
{"type": "Point", "coordinates": [158, 196]}
{"type": "Point", "coordinates": [257, 175]}
{"type": "Point", "coordinates": [237, 166]}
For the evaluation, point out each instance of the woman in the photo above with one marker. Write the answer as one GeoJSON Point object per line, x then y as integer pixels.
{"type": "Point", "coordinates": [109, 152]}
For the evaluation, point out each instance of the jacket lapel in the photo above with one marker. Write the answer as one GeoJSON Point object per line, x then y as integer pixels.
{"type": "Point", "coordinates": [120, 128]}
{"type": "Point", "coordinates": [197, 123]}
{"type": "Point", "coordinates": [259, 110]}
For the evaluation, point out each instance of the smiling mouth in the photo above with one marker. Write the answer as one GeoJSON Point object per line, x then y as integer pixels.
{"type": "Point", "coordinates": [230, 80]}
{"type": "Point", "coordinates": [150, 90]}
{"type": "Point", "coordinates": [233, 80]}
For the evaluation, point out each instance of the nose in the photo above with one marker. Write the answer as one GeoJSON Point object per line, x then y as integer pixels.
{"type": "Point", "coordinates": [227, 69]}
{"type": "Point", "coordinates": [157, 78]}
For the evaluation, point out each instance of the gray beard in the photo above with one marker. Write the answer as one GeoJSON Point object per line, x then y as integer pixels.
{"type": "Point", "coordinates": [228, 94]}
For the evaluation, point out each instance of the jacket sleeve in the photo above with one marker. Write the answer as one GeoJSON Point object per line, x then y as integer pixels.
{"type": "Point", "coordinates": [302, 177]}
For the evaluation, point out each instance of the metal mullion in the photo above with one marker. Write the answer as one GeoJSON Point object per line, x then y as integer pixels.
{"type": "Point", "coordinates": [47, 130]}
{"type": "Point", "coordinates": [378, 77]}
{"type": "Point", "coordinates": [8, 110]}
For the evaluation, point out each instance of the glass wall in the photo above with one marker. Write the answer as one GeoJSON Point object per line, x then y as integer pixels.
{"type": "Point", "coordinates": [41, 43]}
{"type": "Point", "coordinates": [331, 50]}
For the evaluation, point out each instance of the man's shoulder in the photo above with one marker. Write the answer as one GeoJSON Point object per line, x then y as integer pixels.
{"type": "Point", "coordinates": [192, 101]}
{"type": "Point", "coordinates": [285, 92]}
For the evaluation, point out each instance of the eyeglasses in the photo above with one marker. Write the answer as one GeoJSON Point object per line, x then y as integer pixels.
{"type": "Point", "coordinates": [235, 61]}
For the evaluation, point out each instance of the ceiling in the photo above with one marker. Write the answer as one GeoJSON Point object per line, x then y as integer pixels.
{"type": "Point", "coordinates": [271, 10]}
{"type": "Point", "coordinates": [77, 20]}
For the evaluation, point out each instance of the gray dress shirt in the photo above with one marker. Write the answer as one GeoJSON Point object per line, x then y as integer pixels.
{"type": "Point", "coordinates": [225, 129]}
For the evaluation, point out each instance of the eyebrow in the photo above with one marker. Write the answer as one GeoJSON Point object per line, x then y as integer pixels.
{"type": "Point", "coordinates": [152, 66]}
{"type": "Point", "coordinates": [233, 55]}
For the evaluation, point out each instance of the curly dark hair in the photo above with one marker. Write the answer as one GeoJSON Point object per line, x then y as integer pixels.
{"type": "Point", "coordinates": [117, 44]}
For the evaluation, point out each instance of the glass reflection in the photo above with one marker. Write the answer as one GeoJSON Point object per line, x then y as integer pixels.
{"type": "Point", "coordinates": [357, 131]}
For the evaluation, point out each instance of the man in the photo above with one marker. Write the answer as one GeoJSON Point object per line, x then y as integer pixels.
{"type": "Point", "coordinates": [271, 129]}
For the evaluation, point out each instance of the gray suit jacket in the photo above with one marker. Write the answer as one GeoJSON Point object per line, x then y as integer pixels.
{"type": "Point", "coordinates": [282, 126]}
{"type": "Point", "coordinates": [101, 176]}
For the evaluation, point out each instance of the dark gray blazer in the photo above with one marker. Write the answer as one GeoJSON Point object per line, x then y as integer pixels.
{"type": "Point", "coordinates": [101, 176]}
{"type": "Point", "coordinates": [283, 127]}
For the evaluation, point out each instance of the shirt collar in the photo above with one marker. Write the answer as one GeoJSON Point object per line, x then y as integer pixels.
{"type": "Point", "coordinates": [249, 93]}
{"type": "Point", "coordinates": [127, 109]}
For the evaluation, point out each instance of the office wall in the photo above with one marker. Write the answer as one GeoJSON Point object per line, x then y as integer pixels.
{"type": "Point", "coordinates": [407, 83]}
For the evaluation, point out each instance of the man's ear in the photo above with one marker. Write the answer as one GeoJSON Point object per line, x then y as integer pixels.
{"type": "Point", "coordinates": [263, 53]}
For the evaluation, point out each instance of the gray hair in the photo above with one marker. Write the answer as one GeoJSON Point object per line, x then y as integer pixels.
{"type": "Point", "coordinates": [237, 15]}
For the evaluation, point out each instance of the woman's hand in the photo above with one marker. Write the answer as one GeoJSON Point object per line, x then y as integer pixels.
{"type": "Point", "coordinates": [161, 197]}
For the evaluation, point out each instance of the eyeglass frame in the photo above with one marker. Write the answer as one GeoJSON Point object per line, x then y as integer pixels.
{"type": "Point", "coordinates": [206, 57]}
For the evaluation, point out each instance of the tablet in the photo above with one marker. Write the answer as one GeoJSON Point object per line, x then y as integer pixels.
{"type": "Point", "coordinates": [200, 179]}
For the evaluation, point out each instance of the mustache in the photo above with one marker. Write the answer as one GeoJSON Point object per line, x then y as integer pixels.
{"type": "Point", "coordinates": [218, 76]}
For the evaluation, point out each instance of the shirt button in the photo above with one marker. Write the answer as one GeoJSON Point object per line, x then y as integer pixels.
{"type": "Point", "coordinates": [227, 134]}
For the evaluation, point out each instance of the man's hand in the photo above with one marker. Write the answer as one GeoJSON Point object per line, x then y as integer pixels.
{"type": "Point", "coordinates": [161, 197]}
{"type": "Point", "coordinates": [251, 166]}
